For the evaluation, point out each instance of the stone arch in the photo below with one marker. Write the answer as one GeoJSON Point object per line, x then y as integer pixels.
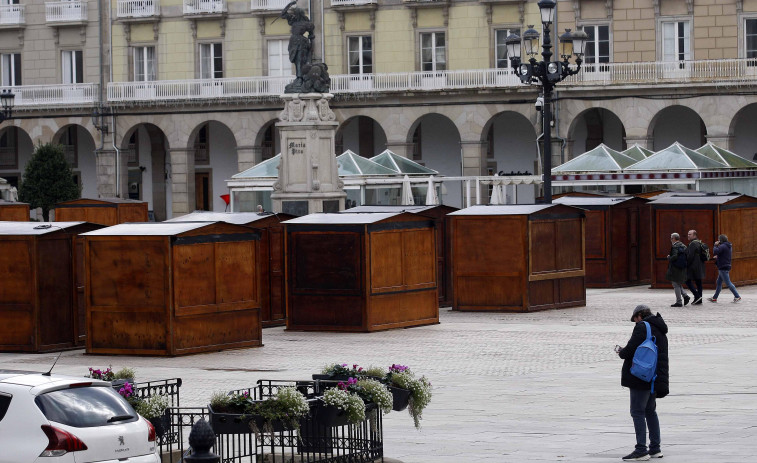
{"type": "Point", "coordinates": [743, 138]}
{"type": "Point", "coordinates": [362, 135]}
{"type": "Point", "coordinates": [79, 146]}
{"type": "Point", "coordinates": [145, 147]}
{"type": "Point", "coordinates": [594, 126]}
{"type": "Point", "coordinates": [676, 123]}
{"type": "Point", "coordinates": [267, 141]}
{"type": "Point", "coordinates": [212, 147]}
{"type": "Point", "coordinates": [16, 149]}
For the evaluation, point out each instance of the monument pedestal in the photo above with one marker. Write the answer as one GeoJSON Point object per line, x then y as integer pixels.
{"type": "Point", "coordinates": [308, 177]}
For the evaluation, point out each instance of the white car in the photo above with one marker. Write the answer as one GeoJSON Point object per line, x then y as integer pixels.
{"type": "Point", "coordinates": [56, 419]}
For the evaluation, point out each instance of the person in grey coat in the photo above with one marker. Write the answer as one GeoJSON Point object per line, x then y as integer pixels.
{"type": "Point", "coordinates": [695, 271]}
{"type": "Point", "coordinates": [676, 273]}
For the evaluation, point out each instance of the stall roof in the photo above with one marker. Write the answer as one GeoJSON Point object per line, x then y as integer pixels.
{"type": "Point", "coordinates": [350, 164]}
{"type": "Point", "coordinates": [513, 209]}
{"type": "Point", "coordinates": [387, 208]}
{"type": "Point", "coordinates": [677, 157]}
{"type": "Point", "coordinates": [402, 165]}
{"type": "Point", "coordinates": [238, 218]}
{"type": "Point", "coordinates": [703, 199]}
{"type": "Point", "coordinates": [84, 201]}
{"type": "Point", "coordinates": [34, 228]}
{"type": "Point", "coordinates": [590, 200]}
{"type": "Point", "coordinates": [637, 152]}
{"type": "Point", "coordinates": [728, 158]}
{"type": "Point", "coordinates": [342, 218]}
{"type": "Point", "coordinates": [149, 229]}
{"type": "Point", "coordinates": [599, 159]}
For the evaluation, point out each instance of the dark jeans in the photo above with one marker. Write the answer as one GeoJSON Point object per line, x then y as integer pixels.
{"type": "Point", "coordinates": [644, 414]}
{"type": "Point", "coordinates": [696, 292]}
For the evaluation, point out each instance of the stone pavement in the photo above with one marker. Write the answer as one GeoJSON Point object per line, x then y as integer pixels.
{"type": "Point", "coordinates": [542, 386]}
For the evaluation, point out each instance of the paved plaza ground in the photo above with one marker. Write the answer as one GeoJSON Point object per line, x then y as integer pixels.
{"type": "Point", "coordinates": [542, 386]}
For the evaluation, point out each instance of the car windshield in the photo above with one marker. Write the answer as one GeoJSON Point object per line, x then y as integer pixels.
{"type": "Point", "coordinates": [84, 407]}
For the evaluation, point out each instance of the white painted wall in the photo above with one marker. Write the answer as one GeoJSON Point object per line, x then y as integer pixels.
{"type": "Point", "coordinates": [351, 137]}
{"type": "Point", "coordinates": [744, 142]}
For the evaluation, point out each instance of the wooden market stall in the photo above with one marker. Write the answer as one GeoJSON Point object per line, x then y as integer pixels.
{"type": "Point", "coordinates": [734, 215]}
{"type": "Point", "coordinates": [438, 213]}
{"type": "Point", "coordinates": [518, 258]}
{"type": "Point", "coordinates": [105, 211]}
{"type": "Point", "coordinates": [617, 239]}
{"type": "Point", "coordinates": [38, 295]}
{"type": "Point", "coordinates": [361, 272]}
{"type": "Point", "coordinates": [172, 288]}
{"type": "Point", "coordinates": [14, 211]}
{"type": "Point", "coordinates": [270, 260]}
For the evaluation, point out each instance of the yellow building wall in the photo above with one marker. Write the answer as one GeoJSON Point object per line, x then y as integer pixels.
{"type": "Point", "coordinates": [394, 42]}
{"type": "Point", "coordinates": [469, 38]}
{"type": "Point", "coordinates": [177, 51]}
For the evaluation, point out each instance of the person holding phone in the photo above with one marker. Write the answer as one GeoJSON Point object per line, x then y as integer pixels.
{"type": "Point", "coordinates": [723, 251]}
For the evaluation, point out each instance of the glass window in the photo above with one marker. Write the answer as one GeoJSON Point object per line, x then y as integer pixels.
{"type": "Point", "coordinates": [597, 47]}
{"type": "Point", "coordinates": [360, 54]}
{"type": "Point", "coordinates": [433, 51]}
{"type": "Point", "coordinates": [144, 64]}
{"type": "Point", "coordinates": [750, 36]}
{"type": "Point", "coordinates": [10, 69]}
{"type": "Point", "coordinates": [211, 61]}
{"type": "Point", "coordinates": [676, 41]}
{"type": "Point", "coordinates": [85, 407]}
{"type": "Point", "coordinates": [73, 67]}
{"type": "Point", "coordinates": [278, 58]}
{"type": "Point", "coordinates": [500, 47]}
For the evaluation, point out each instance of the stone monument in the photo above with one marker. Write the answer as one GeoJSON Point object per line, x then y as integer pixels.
{"type": "Point", "coordinates": [308, 178]}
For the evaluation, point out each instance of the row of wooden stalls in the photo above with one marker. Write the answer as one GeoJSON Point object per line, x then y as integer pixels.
{"type": "Point", "coordinates": [210, 281]}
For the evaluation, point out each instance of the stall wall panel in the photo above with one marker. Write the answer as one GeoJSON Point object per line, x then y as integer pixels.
{"type": "Point", "coordinates": [236, 274]}
{"type": "Point", "coordinates": [128, 273]}
{"type": "Point", "coordinates": [418, 259]}
{"type": "Point", "coordinates": [387, 261]}
{"type": "Point", "coordinates": [595, 234]}
{"type": "Point", "coordinates": [335, 267]}
{"type": "Point", "coordinates": [145, 332]}
{"type": "Point", "coordinates": [17, 327]}
{"type": "Point", "coordinates": [276, 276]}
{"type": "Point", "coordinates": [55, 280]}
{"type": "Point", "coordinates": [620, 235]}
{"type": "Point", "coordinates": [490, 291]}
{"type": "Point", "coordinates": [80, 301]}
{"type": "Point", "coordinates": [543, 293]}
{"type": "Point", "coordinates": [16, 272]}
{"type": "Point", "coordinates": [133, 213]}
{"type": "Point", "coordinates": [496, 245]}
{"type": "Point", "coordinates": [14, 212]}
{"type": "Point", "coordinates": [572, 290]}
{"type": "Point", "coordinates": [395, 309]}
{"type": "Point", "coordinates": [194, 276]}
{"type": "Point", "coordinates": [543, 255]}
{"type": "Point", "coordinates": [328, 310]}
{"type": "Point", "coordinates": [203, 332]}
{"type": "Point", "coordinates": [568, 245]}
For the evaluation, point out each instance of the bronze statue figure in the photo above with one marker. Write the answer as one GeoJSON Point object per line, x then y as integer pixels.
{"type": "Point", "coordinates": [309, 77]}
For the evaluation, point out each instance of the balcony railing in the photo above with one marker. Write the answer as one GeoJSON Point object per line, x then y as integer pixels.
{"type": "Point", "coordinates": [204, 6]}
{"type": "Point", "coordinates": [352, 2]}
{"type": "Point", "coordinates": [72, 95]}
{"type": "Point", "coordinates": [710, 72]}
{"type": "Point", "coordinates": [268, 5]}
{"type": "Point", "coordinates": [11, 15]}
{"type": "Point", "coordinates": [73, 11]}
{"type": "Point", "coordinates": [126, 9]}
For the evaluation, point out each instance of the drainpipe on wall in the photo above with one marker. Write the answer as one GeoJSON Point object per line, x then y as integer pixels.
{"type": "Point", "coordinates": [102, 78]}
{"type": "Point", "coordinates": [118, 157]}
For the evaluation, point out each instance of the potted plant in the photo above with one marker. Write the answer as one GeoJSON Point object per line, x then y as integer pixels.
{"type": "Point", "coordinates": [127, 392]}
{"type": "Point", "coordinates": [420, 391]}
{"type": "Point", "coordinates": [122, 376]}
{"type": "Point", "coordinates": [374, 393]}
{"type": "Point", "coordinates": [154, 409]}
{"type": "Point", "coordinates": [104, 374]}
{"type": "Point", "coordinates": [282, 411]}
{"type": "Point", "coordinates": [339, 372]}
{"type": "Point", "coordinates": [400, 395]}
{"type": "Point", "coordinates": [339, 407]}
{"type": "Point", "coordinates": [227, 412]}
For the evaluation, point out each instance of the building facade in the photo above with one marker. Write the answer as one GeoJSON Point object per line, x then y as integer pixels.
{"type": "Point", "coordinates": [186, 92]}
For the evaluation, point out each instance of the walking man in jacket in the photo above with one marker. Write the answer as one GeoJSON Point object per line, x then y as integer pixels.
{"type": "Point", "coordinates": [676, 273]}
{"type": "Point", "coordinates": [643, 401]}
{"type": "Point", "coordinates": [723, 251]}
{"type": "Point", "coordinates": [695, 266]}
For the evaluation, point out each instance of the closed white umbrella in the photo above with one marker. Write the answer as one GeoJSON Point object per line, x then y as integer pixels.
{"type": "Point", "coordinates": [431, 197]}
{"type": "Point", "coordinates": [407, 193]}
{"type": "Point", "coordinates": [498, 196]}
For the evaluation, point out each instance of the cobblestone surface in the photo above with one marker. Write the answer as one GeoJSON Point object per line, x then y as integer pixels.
{"type": "Point", "coordinates": [542, 386]}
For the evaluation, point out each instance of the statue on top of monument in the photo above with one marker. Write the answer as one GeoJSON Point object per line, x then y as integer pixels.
{"type": "Point", "coordinates": [309, 76]}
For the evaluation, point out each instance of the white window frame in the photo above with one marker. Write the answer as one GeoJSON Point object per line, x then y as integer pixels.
{"type": "Point", "coordinates": [743, 18]}
{"type": "Point", "coordinates": [69, 59]}
{"type": "Point", "coordinates": [360, 51]}
{"type": "Point", "coordinates": [285, 67]}
{"type": "Point", "coordinates": [10, 69]}
{"type": "Point", "coordinates": [689, 33]}
{"type": "Point", "coordinates": [506, 30]}
{"type": "Point", "coordinates": [596, 66]}
{"type": "Point", "coordinates": [140, 53]}
{"type": "Point", "coordinates": [210, 47]}
{"type": "Point", "coordinates": [434, 63]}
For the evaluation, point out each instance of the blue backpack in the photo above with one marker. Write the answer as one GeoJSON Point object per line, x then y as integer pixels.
{"type": "Point", "coordinates": [644, 365]}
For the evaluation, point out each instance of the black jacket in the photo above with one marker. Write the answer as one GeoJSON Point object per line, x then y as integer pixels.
{"type": "Point", "coordinates": [659, 331]}
{"type": "Point", "coordinates": [723, 255]}
{"type": "Point", "coordinates": [695, 269]}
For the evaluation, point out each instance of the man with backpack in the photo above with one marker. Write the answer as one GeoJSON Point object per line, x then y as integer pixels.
{"type": "Point", "coordinates": [697, 254]}
{"type": "Point", "coordinates": [644, 393]}
{"type": "Point", "coordinates": [676, 273]}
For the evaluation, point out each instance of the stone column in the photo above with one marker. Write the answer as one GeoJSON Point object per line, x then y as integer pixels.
{"type": "Point", "coordinates": [473, 153]}
{"type": "Point", "coordinates": [248, 156]}
{"type": "Point", "coordinates": [105, 161]}
{"type": "Point", "coordinates": [308, 177]}
{"type": "Point", "coordinates": [722, 140]}
{"type": "Point", "coordinates": [400, 148]}
{"type": "Point", "coordinates": [182, 181]}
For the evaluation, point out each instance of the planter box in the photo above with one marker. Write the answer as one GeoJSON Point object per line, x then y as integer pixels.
{"type": "Point", "coordinates": [329, 416]}
{"type": "Point", "coordinates": [400, 397]}
{"type": "Point", "coordinates": [162, 424]}
{"type": "Point", "coordinates": [229, 423]}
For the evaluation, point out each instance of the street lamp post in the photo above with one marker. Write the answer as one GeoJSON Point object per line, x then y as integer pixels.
{"type": "Point", "coordinates": [8, 99]}
{"type": "Point", "coordinates": [546, 72]}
